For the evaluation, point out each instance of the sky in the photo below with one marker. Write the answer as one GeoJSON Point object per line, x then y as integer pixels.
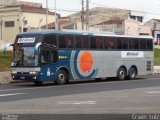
{"type": "Point", "coordinates": [66, 7]}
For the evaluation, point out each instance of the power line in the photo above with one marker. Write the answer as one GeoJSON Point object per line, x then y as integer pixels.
{"type": "Point", "coordinates": [120, 8]}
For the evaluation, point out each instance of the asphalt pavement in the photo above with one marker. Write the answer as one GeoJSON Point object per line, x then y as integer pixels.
{"type": "Point", "coordinates": [140, 96]}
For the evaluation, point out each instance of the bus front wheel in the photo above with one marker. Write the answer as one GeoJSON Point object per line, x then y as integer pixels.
{"type": "Point", "coordinates": [61, 77]}
{"type": "Point", "coordinates": [121, 74]}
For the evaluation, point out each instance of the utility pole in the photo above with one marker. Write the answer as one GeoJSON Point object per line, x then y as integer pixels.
{"type": "Point", "coordinates": [55, 15]}
{"type": "Point", "coordinates": [1, 21]}
{"type": "Point", "coordinates": [87, 14]}
{"type": "Point", "coordinates": [82, 15]}
{"type": "Point", "coordinates": [46, 14]}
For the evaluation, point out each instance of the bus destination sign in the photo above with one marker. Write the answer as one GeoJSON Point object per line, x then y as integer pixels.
{"type": "Point", "coordinates": [26, 40]}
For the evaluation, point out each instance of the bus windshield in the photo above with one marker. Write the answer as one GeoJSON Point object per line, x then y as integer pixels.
{"type": "Point", "coordinates": [24, 57]}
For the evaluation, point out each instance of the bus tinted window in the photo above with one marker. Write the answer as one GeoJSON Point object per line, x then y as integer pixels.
{"type": "Point", "coordinates": [78, 42]}
{"type": "Point", "coordinates": [85, 42]}
{"type": "Point", "coordinates": [125, 43]}
{"type": "Point", "coordinates": [133, 43]}
{"type": "Point", "coordinates": [81, 42]}
{"type": "Point", "coordinates": [65, 41]}
{"type": "Point", "coordinates": [109, 43]}
{"type": "Point", "coordinates": [93, 42]}
{"type": "Point", "coordinates": [143, 44]}
{"type": "Point", "coordinates": [119, 43]}
{"type": "Point", "coordinates": [50, 40]}
{"type": "Point", "coordinates": [96, 42]}
{"type": "Point", "coordinates": [122, 43]}
{"type": "Point", "coordinates": [149, 44]}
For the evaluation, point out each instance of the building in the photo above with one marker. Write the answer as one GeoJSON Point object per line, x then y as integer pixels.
{"type": "Point", "coordinates": [118, 21]}
{"type": "Point", "coordinates": [124, 27]}
{"type": "Point", "coordinates": [18, 2]}
{"type": "Point", "coordinates": [155, 27]}
{"type": "Point", "coordinates": [20, 18]}
{"type": "Point", "coordinates": [100, 14]}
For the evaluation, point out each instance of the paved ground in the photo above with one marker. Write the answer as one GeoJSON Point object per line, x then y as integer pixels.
{"type": "Point", "coordinates": [108, 96]}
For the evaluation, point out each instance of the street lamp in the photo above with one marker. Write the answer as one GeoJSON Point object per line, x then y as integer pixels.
{"type": "Point", "coordinates": [22, 24]}
{"type": "Point", "coordinates": [39, 26]}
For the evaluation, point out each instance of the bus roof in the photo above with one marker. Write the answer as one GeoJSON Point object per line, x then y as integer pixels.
{"type": "Point", "coordinates": [75, 32]}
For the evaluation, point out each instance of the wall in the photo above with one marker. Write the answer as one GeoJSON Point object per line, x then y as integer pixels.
{"type": "Point", "coordinates": [9, 33]}
{"type": "Point", "coordinates": [34, 18]}
{"type": "Point", "coordinates": [135, 28]}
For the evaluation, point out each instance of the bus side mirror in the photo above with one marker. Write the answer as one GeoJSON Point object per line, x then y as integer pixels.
{"type": "Point", "coordinates": [6, 47]}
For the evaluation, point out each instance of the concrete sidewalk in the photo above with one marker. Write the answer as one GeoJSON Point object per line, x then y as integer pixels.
{"type": "Point", "coordinates": [5, 77]}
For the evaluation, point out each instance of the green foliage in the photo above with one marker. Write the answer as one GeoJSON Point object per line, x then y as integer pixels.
{"type": "Point", "coordinates": [5, 61]}
{"type": "Point", "coordinates": [156, 56]}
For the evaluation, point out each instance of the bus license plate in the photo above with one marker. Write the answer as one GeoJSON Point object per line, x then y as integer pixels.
{"type": "Point", "coordinates": [22, 78]}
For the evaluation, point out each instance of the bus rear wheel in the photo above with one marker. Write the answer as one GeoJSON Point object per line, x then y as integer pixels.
{"type": "Point", "coordinates": [132, 73]}
{"type": "Point", "coordinates": [61, 77]}
{"type": "Point", "coordinates": [121, 74]}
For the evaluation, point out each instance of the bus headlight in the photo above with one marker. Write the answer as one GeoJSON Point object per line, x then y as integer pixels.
{"type": "Point", "coordinates": [33, 72]}
{"type": "Point", "coordinates": [14, 72]}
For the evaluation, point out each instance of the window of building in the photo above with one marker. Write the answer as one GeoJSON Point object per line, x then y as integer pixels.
{"type": "Point", "coordinates": [132, 17]}
{"type": "Point", "coordinates": [140, 19]}
{"type": "Point", "coordinates": [9, 24]}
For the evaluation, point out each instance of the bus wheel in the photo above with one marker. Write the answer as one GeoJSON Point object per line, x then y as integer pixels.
{"type": "Point", "coordinates": [121, 74]}
{"type": "Point", "coordinates": [132, 73]}
{"type": "Point", "coordinates": [61, 77]}
{"type": "Point", "coordinates": [38, 82]}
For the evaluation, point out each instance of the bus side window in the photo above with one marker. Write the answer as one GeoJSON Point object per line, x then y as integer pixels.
{"type": "Point", "coordinates": [109, 43]}
{"type": "Point", "coordinates": [131, 44]}
{"type": "Point", "coordinates": [93, 42]}
{"type": "Point", "coordinates": [99, 42]}
{"type": "Point", "coordinates": [85, 42]}
{"type": "Point", "coordinates": [106, 43]}
{"type": "Point", "coordinates": [69, 41]}
{"type": "Point", "coordinates": [142, 44]}
{"type": "Point", "coordinates": [149, 44]}
{"type": "Point", "coordinates": [62, 42]}
{"type": "Point", "coordinates": [119, 43]}
{"type": "Point", "coordinates": [51, 40]}
{"type": "Point", "coordinates": [45, 57]}
{"type": "Point", "coordinates": [125, 43]}
{"type": "Point", "coordinates": [78, 42]}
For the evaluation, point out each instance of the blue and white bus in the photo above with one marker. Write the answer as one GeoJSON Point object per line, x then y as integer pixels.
{"type": "Point", "coordinates": [62, 57]}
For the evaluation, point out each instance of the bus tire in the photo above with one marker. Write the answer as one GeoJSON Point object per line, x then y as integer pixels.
{"type": "Point", "coordinates": [61, 77]}
{"type": "Point", "coordinates": [121, 73]}
{"type": "Point", "coordinates": [38, 82]}
{"type": "Point", "coordinates": [132, 73]}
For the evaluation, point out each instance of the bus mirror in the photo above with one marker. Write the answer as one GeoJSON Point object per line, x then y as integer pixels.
{"type": "Point", "coordinates": [7, 47]}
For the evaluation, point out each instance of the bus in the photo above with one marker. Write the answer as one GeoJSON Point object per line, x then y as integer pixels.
{"type": "Point", "coordinates": [63, 57]}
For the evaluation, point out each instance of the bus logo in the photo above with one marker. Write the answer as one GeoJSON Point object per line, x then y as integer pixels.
{"type": "Point", "coordinates": [132, 54]}
{"type": "Point", "coordinates": [26, 40]}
